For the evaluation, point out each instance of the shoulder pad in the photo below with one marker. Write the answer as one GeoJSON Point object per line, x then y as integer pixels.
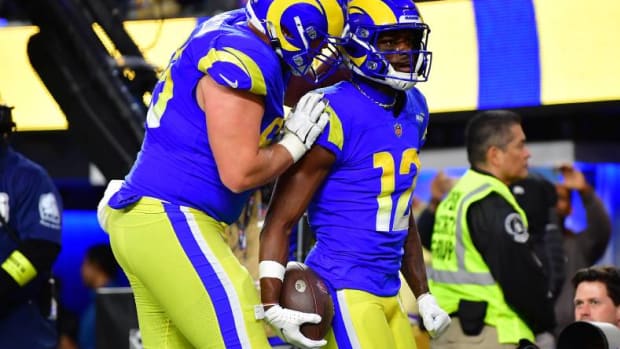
{"type": "Point", "coordinates": [232, 62]}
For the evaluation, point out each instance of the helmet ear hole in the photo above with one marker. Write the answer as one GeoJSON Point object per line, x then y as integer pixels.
{"type": "Point", "coordinates": [287, 33]}
{"type": "Point", "coordinates": [299, 30]}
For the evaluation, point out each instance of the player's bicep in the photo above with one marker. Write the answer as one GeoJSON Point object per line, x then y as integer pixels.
{"type": "Point", "coordinates": [233, 122]}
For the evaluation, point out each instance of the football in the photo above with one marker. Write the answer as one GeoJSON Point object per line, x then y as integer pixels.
{"type": "Point", "coordinates": [303, 290]}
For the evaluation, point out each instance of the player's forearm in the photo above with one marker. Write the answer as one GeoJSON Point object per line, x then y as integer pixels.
{"type": "Point", "coordinates": [273, 254]}
{"type": "Point", "coordinates": [414, 271]}
{"type": "Point", "coordinates": [270, 289]}
{"type": "Point", "coordinates": [244, 173]}
{"type": "Point", "coordinates": [413, 267]}
{"type": "Point", "coordinates": [274, 245]}
{"type": "Point", "coordinates": [290, 198]}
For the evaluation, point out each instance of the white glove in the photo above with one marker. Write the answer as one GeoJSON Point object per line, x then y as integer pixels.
{"type": "Point", "coordinates": [304, 124]}
{"type": "Point", "coordinates": [286, 323]}
{"type": "Point", "coordinates": [436, 320]}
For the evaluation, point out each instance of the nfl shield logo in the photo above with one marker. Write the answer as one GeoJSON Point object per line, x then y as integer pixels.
{"type": "Point", "coordinates": [398, 130]}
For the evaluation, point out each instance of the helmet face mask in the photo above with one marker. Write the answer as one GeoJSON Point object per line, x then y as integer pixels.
{"type": "Point", "coordinates": [304, 33]}
{"type": "Point", "coordinates": [371, 50]}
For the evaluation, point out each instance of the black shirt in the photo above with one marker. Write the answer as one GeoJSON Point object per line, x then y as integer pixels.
{"type": "Point", "coordinates": [538, 198]}
{"type": "Point", "coordinates": [500, 236]}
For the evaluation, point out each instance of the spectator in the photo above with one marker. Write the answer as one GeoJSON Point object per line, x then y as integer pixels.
{"type": "Point", "coordinates": [483, 270]}
{"type": "Point", "coordinates": [99, 269]}
{"type": "Point", "coordinates": [30, 230]}
{"type": "Point", "coordinates": [440, 186]}
{"type": "Point", "coordinates": [584, 248]}
{"type": "Point", "coordinates": [537, 197]}
{"type": "Point", "coordinates": [597, 310]}
{"type": "Point", "coordinates": [597, 294]}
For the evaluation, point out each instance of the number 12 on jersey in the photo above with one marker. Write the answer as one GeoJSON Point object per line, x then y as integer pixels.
{"type": "Point", "coordinates": [385, 161]}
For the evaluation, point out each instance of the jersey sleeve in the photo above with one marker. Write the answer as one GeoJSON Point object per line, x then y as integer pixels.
{"type": "Point", "coordinates": [422, 114]}
{"type": "Point", "coordinates": [38, 210]}
{"type": "Point", "coordinates": [424, 129]}
{"type": "Point", "coordinates": [332, 138]}
{"type": "Point", "coordinates": [231, 61]}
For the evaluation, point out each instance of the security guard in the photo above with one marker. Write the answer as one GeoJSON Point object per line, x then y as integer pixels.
{"type": "Point", "coordinates": [483, 270]}
{"type": "Point", "coordinates": [30, 223]}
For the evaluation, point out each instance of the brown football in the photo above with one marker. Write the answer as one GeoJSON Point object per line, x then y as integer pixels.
{"type": "Point", "coordinates": [304, 290]}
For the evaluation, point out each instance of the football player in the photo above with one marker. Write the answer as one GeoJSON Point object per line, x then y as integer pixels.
{"type": "Point", "coordinates": [357, 183]}
{"type": "Point", "coordinates": [214, 114]}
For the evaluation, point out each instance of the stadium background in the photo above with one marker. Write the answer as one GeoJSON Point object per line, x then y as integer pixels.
{"type": "Point", "coordinates": [554, 61]}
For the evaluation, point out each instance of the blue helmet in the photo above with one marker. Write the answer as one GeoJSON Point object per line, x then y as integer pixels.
{"type": "Point", "coordinates": [302, 32]}
{"type": "Point", "coordinates": [367, 19]}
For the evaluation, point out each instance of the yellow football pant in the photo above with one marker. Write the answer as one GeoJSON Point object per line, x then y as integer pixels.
{"type": "Point", "coordinates": [190, 290]}
{"type": "Point", "coordinates": [365, 321]}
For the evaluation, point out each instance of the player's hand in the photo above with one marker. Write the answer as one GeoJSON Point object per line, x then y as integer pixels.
{"type": "Point", "coordinates": [308, 118]}
{"type": "Point", "coordinates": [436, 320]}
{"type": "Point", "coordinates": [304, 124]}
{"type": "Point", "coordinates": [286, 323]}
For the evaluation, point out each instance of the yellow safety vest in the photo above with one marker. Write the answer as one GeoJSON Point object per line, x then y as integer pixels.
{"type": "Point", "coordinates": [458, 270]}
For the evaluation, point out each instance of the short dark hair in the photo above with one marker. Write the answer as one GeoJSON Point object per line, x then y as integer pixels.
{"type": "Point", "coordinates": [101, 255]}
{"type": "Point", "coordinates": [486, 129]}
{"type": "Point", "coordinates": [607, 274]}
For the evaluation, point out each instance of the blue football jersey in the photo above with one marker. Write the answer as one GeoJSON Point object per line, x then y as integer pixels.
{"type": "Point", "coordinates": [360, 214]}
{"type": "Point", "coordinates": [176, 163]}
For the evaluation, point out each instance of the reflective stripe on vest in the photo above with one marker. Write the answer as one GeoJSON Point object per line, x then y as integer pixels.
{"type": "Point", "coordinates": [461, 276]}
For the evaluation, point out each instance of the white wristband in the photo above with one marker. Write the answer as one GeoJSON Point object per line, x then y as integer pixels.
{"type": "Point", "coordinates": [294, 145]}
{"type": "Point", "coordinates": [271, 269]}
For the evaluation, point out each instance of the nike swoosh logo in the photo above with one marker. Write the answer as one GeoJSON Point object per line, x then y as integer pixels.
{"type": "Point", "coordinates": [233, 84]}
